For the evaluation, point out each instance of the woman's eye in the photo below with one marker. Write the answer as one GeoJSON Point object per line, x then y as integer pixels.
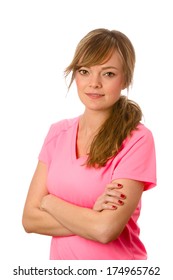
{"type": "Point", "coordinates": [109, 74]}
{"type": "Point", "coordinates": [83, 71]}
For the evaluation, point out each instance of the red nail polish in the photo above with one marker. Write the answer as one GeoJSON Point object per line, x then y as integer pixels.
{"type": "Point", "coordinates": [120, 202]}
{"type": "Point", "coordinates": [114, 207]}
{"type": "Point", "coordinates": [122, 196]}
{"type": "Point", "coordinates": [119, 185]}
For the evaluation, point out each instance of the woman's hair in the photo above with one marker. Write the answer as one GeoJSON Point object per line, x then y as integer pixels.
{"type": "Point", "coordinates": [94, 49]}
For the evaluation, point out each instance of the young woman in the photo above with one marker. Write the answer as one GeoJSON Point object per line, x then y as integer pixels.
{"type": "Point", "coordinates": [92, 169]}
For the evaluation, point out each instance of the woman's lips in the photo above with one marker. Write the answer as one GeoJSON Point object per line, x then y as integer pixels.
{"type": "Point", "coordinates": [94, 95]}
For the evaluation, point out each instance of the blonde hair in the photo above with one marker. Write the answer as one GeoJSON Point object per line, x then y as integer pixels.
{"type": "Point", "coordinates": [94, 49]}
{"type": "Point", "coordinates": [98, 46]}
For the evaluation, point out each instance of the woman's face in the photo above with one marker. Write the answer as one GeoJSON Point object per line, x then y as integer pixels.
{"type": "Point", "coordinates": [99, 86]}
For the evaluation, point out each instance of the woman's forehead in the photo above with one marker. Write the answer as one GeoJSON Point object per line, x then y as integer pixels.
{"type": "Point", "coordinates": [113, 58]}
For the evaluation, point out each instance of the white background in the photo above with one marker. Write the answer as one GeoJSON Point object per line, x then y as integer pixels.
{"type": "Point", "coordinates": [38, 39]}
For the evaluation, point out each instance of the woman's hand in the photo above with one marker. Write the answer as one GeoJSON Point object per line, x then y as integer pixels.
{"type": "Point", "coordinates": [111, 198]}
{"type": "Point", "coordinates": [44, 202]}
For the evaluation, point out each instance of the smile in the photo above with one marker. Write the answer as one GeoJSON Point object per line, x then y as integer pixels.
{"type": "Point", "coordinates": [94, 95]}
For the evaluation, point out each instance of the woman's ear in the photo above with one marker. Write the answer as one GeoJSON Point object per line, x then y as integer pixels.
{"type": "Point", "coordinates": [124, 85]}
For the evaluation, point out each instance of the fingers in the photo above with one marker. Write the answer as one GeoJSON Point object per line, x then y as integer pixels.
{"type": "Point", "coordinates": [114, 185]}
{"type": "Point", "coordinates": [115, 193]}
{"type": "Point", "coordinates": [112, 202]}
{"type": "Point", "coordinates": [113, 197]}
{"type": "Point", "coordinates": [113, 190]}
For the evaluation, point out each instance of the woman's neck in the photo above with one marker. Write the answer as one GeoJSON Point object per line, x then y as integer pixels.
{"type": "Point", "coordinates": [91, 121]}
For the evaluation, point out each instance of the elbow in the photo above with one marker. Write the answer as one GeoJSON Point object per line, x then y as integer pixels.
{"type": "Point", "coordinates": [105, 238]}
{"type": "Point", "coordinates": [26, 224]}
{"type": "Point", "coordinates": [107, 234]}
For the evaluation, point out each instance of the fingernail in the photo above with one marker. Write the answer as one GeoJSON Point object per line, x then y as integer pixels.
{"type": "Point", "coordinates": [120, 202]}
{"type": "Point", "coordinates": [114, 207]}
{"type": "Point", "coordinates": [122, 196]}
{"type": "Point", "coordinates": [119, 185]}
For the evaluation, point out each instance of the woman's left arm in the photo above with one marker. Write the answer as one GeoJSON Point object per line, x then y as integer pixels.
{"type": "Point", "coordinates": [103, 226]}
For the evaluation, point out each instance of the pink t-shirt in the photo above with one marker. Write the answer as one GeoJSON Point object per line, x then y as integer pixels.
{"type": "Point", "coordinates": [73, 182]}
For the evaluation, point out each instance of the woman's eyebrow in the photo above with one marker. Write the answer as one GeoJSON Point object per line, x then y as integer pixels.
{"type": "Point", "coordinates": [108, 67]}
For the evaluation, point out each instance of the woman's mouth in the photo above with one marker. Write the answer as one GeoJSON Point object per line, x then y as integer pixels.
{"type": "Point", "coordinates": [94, 95]}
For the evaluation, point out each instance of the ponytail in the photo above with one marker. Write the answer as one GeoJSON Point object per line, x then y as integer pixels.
{"type": "Point", "coordinates": [125, 116]}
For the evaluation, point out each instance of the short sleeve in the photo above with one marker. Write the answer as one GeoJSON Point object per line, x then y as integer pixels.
{"type": "Point", "coordinates": [48, 146]}
{"type": "Point", "coordinates": [137, 159]}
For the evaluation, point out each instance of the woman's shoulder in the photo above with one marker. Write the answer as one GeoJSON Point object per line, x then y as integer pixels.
{"type": "Point", "coordinates": [142, 130]}
{"type": "Point", "coordinates": [141, 133]}
{"type": "Point", "coordinates": [60, 127]}
{"type": "Point", "coordinates": [63, 125]}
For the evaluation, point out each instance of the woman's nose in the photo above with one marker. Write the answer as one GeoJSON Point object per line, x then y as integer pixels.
{"type": "Point", "coordinates": [95, 81]}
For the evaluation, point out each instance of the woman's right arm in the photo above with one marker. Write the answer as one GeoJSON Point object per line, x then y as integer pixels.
{"type": "Point", "coordinates": [35, 220]}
